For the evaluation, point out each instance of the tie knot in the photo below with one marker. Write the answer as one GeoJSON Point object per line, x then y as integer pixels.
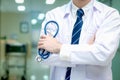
{"type": "Point", "coordinates": [80, 12]}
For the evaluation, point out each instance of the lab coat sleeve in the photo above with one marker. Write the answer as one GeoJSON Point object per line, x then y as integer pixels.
{"type": "Point", "coordinates": [104, 48]}
{"type": "Point", "coordinates": [54, 59]}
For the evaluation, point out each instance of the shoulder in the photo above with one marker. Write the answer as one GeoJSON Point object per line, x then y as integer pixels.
{"type": "Point", "coordinates": [106, 11]}
{"type": "Point", "coordinates": [58, 11]}
{"type": "Point", "coordinates": [103, 8]}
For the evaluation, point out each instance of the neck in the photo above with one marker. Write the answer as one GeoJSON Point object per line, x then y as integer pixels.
{"type": "Point", "coordinates": [80, 3]}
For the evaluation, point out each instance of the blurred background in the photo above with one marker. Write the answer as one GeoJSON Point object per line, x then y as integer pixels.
{"type": "Point", "coordinates": [20, 24]}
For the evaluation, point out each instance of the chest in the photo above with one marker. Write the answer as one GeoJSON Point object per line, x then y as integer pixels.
{"type": "Point", "coordinates": [91, 25]}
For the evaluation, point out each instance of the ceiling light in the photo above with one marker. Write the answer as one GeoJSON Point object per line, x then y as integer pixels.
{"type": "Point", "coordinates": [19, 1]}
{"type": "Point", "coordinates": [21, 8]}
{"type": "Point", "coordinates": [45, 77]}
{"type": "Point", "coordinates": [50, 1]}
{"type": "Point", "coordinates": [41, 16]}
{"type": "Point", "coordinates": [33, 77]}
{"type": "Point", "coordinates": [33, 21]}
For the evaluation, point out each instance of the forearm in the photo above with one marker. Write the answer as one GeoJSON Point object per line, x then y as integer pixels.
{"type": "Point", "coordinates": [99, 53]}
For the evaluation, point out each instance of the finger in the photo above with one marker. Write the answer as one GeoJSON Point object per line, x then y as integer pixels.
{"type": "Point", "coordinates": [92, 39]}
{"type": "Point", "coordinates": [40, 47]}
{"type": "Point", "coordinates": [42, 36]}
{"type": "Point", "coordinates": [41, 42]}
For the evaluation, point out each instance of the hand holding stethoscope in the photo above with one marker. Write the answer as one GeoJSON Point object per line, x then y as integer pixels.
{"type": "Point", "coordinates": [51, 28]}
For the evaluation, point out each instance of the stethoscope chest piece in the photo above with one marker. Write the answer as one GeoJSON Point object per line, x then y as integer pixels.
{"type": "Point", "coordinates": [38, 58]}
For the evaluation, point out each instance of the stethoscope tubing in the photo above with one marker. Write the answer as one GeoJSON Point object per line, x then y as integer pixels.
{"type": "Point", "coordinates": [45, 28]}
{"type": "Point", "coordinates": [42, 53]}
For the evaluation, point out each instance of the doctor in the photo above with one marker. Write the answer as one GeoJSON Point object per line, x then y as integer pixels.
{"type": "Point", "coordinates": [91, 58]}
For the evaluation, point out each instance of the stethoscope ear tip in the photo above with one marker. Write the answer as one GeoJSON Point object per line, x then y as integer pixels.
{"type": "Point", "coordinates": [38, 58]}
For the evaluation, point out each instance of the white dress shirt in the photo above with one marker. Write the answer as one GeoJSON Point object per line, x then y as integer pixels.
{"type": "Point", "coordinates": [88, 62]}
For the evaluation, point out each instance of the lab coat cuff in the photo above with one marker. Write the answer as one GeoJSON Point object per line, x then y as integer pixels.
{"type": "Point", "coordinates": [65, 53]}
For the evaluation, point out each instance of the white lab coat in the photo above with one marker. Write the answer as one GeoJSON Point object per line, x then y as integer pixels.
{"type": "Point", "coordinates": [88, 62]}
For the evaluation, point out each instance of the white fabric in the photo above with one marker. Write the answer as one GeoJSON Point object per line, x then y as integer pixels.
{"type": "Point", "coordinates": [88, 62]}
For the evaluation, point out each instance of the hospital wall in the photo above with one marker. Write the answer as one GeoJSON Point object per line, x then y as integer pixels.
{"type": "Point", "coordinates": [10, 26]}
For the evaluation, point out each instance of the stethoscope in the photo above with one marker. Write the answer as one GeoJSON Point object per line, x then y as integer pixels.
{"type": "Point", "coordinates": [51, 28]}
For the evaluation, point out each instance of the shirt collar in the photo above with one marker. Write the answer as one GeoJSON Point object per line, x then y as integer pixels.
{"type": "Point", "coordinates": [85, 8]}
{"type": "Point", "coordinates": [67, 10]}
{"type": "Point", "coordinates": [71, 8]}
{"type": "Point", "coordinates": [97, 6]}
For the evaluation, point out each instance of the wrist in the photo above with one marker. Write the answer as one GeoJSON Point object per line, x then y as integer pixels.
{"type": "Point", "coordinates": [58, 47]}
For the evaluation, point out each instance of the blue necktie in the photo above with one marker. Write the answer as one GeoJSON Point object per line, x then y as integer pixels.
{"type": "Point", "coordinates": [75, 36]}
